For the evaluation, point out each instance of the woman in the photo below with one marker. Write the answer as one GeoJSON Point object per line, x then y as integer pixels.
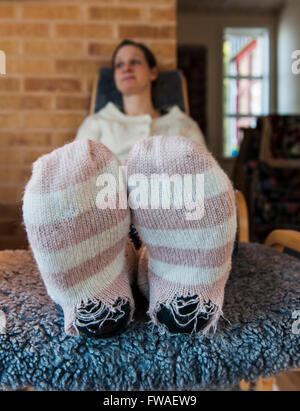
{"type": "Point", "coordinates": [135, 71]}
{"type": "Point", "coordinates": [86, 262]}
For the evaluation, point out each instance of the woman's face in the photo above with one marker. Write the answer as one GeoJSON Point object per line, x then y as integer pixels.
{"type": "Point", "coordinates": [132, 73]}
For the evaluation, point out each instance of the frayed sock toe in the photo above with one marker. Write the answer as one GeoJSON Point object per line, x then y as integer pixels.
{"type": "Point", "coordinates": [184, 317]}
{"type": "Point", "coordinates": [94, 319]}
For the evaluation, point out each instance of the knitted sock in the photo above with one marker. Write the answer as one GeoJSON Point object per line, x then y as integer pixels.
{"type": "Point", "coordinates": [81, 248]}
{"type": "Point", "coordinates": [186, 258]}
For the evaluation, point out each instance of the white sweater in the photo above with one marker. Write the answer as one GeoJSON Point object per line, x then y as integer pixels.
{"type": "Point", "coordinates": [119, 131]}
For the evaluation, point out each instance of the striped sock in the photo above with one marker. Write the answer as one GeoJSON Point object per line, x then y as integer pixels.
{"type": "Point", "coordinates": [186, 262]}
{"type": "Point", "coordinates": [82, 251]}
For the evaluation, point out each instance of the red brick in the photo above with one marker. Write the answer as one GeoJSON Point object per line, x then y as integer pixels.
{"type": "Point", "coordinates": [9, 156]}
{"type": "Point", "coordinates": [71, 30]}
{"type": "Point", "coordinates": [72, 102]}
{"type": "Point", "coordinates": [14, 175]}
{"type": "Point", "coordinates": [163, 50]}
{"type": "Point", "coordinates": [24, 29]}
{"type": "Point", "coordinates": [21, 65]}
{"type": "Point", "coordinates": [45, 11]}
{"type": "Point", "coordinates": [114, 13]}
{"type": "Point", "coordinates": [8, 11]}
{"type": "Point", "coordinates": [10, 119]}
{"type": "Point", "coordinates": [53, 48]}
{"type": "Point", "coordinates": [101, 49]}
{"type": "Point", "coordinates": [90, 81]}
{"type": "Point", "coordinates": [163, 14]}
{"type": "Point", "coordinates": [61, 138]}
{"type": "Point", "coordinates": [52, 120]}
{"type": "Point", "coordinates": [32, 154]}
{"type": "Point", "coordinates": [24, 102]}
{"type": "Point", "coordinates": [52, 84]}
{"type": "Point", "coordinates": [10, 84]}
{"type": "Point", "coordinates": [77, 67]}
{"type": "Point", "coordinates": [26, 137]}
{"type": "Point", "coordinates": [146, 31]}
{"type": "Point", "coordinates": [152, 2]}
{"type": "Point", "coordinates": [9, 47]}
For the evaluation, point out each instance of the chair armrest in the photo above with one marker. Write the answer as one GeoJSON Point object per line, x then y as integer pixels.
{"type": "Point", "coordinates": [279, 239]}
{"type": "Point", "coordinates": [242, 216]}
{"type": "Point", "coordinates": [94, 92]}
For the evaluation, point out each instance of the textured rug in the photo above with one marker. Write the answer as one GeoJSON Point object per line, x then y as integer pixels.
{"type": "Point", "coordinates": [258, 337]}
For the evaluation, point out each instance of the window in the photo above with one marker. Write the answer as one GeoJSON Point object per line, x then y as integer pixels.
{"type": "Point", "coordinates": [245, 83]}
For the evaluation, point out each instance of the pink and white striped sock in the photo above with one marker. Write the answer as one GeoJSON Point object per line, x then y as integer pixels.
{"type": "Point", "coordinates": [82, 251]}
{"type": "Point", "coordinates": [183, 256]}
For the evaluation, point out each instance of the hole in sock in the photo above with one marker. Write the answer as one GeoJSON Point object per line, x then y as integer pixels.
{"type": "Point", "coordinates": [97, 320]}
{"type": "Point", "coordinates": [185, 318]}
{"type": "Point", "coordinates": [187, 309]}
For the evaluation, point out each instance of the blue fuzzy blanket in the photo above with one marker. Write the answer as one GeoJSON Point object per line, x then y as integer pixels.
{"type": "Point", "coordinates": [261, 339]}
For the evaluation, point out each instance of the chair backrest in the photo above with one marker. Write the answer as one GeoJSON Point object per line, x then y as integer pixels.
{"type": "Point", "coordinates": [170, 90]}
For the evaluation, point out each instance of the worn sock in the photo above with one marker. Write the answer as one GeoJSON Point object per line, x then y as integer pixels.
{"type": "Point", "coordinates": [185, 259]}
{"type": "Point", "coordinates": [82, 249]}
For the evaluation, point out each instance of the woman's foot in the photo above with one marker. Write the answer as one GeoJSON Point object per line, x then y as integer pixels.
{"type": "Point", "coordinates": [189, 232]}
{"type": "Point", "coordinates": [79, 235]}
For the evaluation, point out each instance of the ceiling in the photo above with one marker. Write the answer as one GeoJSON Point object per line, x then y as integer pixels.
{"type": "Point", "coordinates": [231, 6]}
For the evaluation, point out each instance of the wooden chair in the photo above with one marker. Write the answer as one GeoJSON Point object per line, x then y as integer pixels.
{"type": "Point", "coordinates": [277, 239]}
{"type": "Point", "coordinates": [170, 89]}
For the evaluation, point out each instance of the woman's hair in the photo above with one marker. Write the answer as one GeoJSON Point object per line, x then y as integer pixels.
{"type": "Point", "coordinates": [150, 58]}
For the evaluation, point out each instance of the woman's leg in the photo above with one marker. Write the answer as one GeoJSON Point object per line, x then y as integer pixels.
{"type": "Point", "coordinates": [187, 256]}
{"type": "Point", "coordinates": [79, 237]}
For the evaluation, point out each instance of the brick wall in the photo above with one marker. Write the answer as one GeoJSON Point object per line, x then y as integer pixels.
{"type": "Point", "coordinates": [53, 51]}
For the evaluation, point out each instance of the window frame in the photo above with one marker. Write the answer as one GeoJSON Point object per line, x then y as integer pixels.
{"type": "Point", "coordinates": [265, 76]}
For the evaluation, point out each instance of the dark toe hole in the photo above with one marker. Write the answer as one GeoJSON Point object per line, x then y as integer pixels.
{"type": "Point", "coordinates": [110, 327]}
{"type": "Point", "coordinates": [165, 316]}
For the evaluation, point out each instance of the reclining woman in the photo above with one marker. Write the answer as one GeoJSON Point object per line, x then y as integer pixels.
{"type": "Point", "coordinates": [183, 264]}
